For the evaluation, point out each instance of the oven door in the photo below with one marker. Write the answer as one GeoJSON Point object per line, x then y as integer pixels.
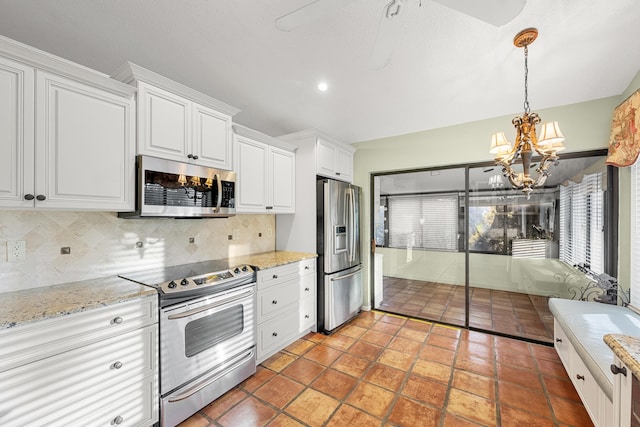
{"type": "Point", "coordinates": [200, 335]}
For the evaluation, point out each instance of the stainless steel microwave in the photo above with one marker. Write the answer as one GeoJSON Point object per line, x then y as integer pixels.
{"type": "Point", "coordinates": [166, 188]}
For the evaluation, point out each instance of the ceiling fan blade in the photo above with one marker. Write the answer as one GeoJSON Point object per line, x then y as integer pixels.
{"type": "Point", "coordinates": [494, 12]}
{"type": "Point", "coordinates": [389, 30]}
{"type": "Point", "coordinates": [309, 13]}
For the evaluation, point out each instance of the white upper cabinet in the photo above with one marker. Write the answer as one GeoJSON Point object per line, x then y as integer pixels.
{"type": "Point", "coordinates": [334, 160]}
{"type": "Point", "coordinates": [66, 134]}
{"type": "Point", "coordinates": [178, 123]}
{"type": "Point", "coordinates": [265, 179]}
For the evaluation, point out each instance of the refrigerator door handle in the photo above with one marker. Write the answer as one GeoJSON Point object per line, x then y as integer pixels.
{"type": "Point", "coordinates": [352, 239]}
{"type": "Point", "coordinates": [335, 279]}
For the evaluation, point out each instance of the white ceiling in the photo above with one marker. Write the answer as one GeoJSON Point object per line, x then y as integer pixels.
{"type": "Point", "coordinates": [448, 68]}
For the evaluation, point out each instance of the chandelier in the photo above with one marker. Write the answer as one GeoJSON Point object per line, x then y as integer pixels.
{"type": "Point", "coordinates": [547, 146]}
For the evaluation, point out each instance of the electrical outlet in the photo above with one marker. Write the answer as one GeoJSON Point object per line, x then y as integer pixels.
{"type": "Point", "coordinates": [270, 232]}
{"type": "Point", "coordinates": [16, 250]}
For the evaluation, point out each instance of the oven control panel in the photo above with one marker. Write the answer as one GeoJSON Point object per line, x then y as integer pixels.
{"type": "Point", "coordinates": [217, 278]}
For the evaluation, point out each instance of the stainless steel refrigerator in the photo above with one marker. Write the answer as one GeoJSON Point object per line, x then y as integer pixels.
{"type": "Point", "coordinates": [338, 241]}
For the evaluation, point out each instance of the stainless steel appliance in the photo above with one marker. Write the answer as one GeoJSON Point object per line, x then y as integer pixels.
{"type": "Point", "coordinates": [338, 241]}
{"type": "Point", "coordinates": [165, 188]}
{"type": "Point", "coordinates": [207, 333]}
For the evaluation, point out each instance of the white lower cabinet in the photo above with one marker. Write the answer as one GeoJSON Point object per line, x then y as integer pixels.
{"type": "Point", "coordinates": [598, 405]}
{"type": "Point", "coordinates": [98, 368]}
{"type": "Point", "coordinates": [286, 305]}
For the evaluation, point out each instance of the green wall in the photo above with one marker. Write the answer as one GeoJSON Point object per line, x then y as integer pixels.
{"type": "Point", "coordinates": [586, 126]}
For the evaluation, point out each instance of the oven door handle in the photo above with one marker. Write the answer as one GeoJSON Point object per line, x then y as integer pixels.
{"type": "Point", "coordinates": [230, 366]}
{"type": "Point", "coordinates": [209, 306]}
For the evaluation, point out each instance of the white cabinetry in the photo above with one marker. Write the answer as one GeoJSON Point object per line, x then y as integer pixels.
{"type": "Point", "coordinates": [334, 160]}
{"type": "Point", "coordinates": [66, 134]}
{"type": "Point", "coordinates": [97, 367]}
{"type": "Point", "coordinates": [622, 395]}
{"type": "Point", "coordinates": [178, 123]}
{"type": "Point", "coordinates": [286, 307]}
{"type": "Point", "coordinates": [595, 400]}
{"type": "Point", "coordinates": [265, 177]}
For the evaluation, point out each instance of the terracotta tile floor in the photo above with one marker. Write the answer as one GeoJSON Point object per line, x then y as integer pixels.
{"type": "Point", "coordinates": [511, 313]}
{"type": "Point", "coordinates": [386, 370]}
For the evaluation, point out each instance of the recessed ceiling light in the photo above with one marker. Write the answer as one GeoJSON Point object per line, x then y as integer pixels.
{"type": "Point", "coordinates": [323, 86]}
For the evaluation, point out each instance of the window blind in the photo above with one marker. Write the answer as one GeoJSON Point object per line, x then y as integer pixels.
{"type": "Point", "coordinates": [423, 221]}
{"type": "Point", "coordinates": [582, 222]}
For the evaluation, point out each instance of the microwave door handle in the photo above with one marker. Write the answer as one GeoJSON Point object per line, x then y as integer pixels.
{"type": "Point", "coordinates": [219, 202]}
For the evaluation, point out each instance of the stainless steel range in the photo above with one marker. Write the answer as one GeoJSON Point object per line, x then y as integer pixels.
{"type": "Point", "coordinates": [207, 333]}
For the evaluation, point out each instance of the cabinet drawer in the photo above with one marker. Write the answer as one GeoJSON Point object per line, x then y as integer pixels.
{"type": "Point", "coordinates": [585, 384]}
{"type": "Point", "coordinates": [277, 298]}
{"type": "Point", "coordinates": [273, 276]}
{"type": "Point", "coordinates": [32, 391]}
{"type": "Point", "coordinates": [28, 343]}
{"type": "Point", "coordinates": [132, 403]}
{"type": "Point", "coordinates": [308, 286]}
{"type": "Point", "coordinates": [277, 332]}
{"type": "Point", "coordinates": [307, 314]}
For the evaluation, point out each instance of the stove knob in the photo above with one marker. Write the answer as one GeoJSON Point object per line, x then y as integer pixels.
{"type": "Point", "coordinates": [184, 282]}
{"type": "Point", "coordinates": [172, 284]}
{"type": "Point", "coordinates": [244, 268]}
{"type": "Point", "coordinates": [236, 270]}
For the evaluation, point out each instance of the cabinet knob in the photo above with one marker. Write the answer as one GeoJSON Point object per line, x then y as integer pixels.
{"type": "Point", "coordinates": [617, 370]}
{"type": "Point", "coordinates": [41, 197]}
{"type": "Point", "coordinates": [275, 276]}
{"type": "Point", "coordinates": [306, 267]}
{"type": "Point", "coordinates": [306, 289]}
{"type": "Point", "coordinates": [117, 420]}
{"type": "Point", "coordinates": [117, 320]}
{"type": "Point", "coordinates": [275, 334]}
{"type": "Point", "coordinates": [29, 197]}
{"type": "Point", "coordinates": [268, 207]}
{"type": "Point", "coordinates": [306, 316]}
{"type": "Point", "coordinates": [275, 301]}
{"type": "Point", "coordinates": [580, 377]}
{"type": "Point", "coordinates": [338, 173]}
{"type": "Point", "coordinates": [558, 339]}
{"type": "Point", "coordinates": [117, 365]}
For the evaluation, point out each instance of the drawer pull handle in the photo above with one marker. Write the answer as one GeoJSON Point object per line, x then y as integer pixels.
{"type": "Point", "coordinates": [306, 316]}
{"type": "Point", "coordinates": [274, 302]}
{"type": "Point", "coordinates": [558, 339]}
{"type": "Point", "coordinates": [117, 365]}
{"type": "Point", "coordinates": [29, 197]}
{"type": "Point", "coordinates": [275, 276]}
{"type": "Point", "coordinates": [580, 377]}
{"type": "Point", "coordinates": [616, 370]}
{"type": "Point", "coordinates": [306, 267]}
{"type": "Point", "coordinates": [275, 334]}
{"type": "Point", "coordinates": [117, 420]}
{"type": "Point", "coordinates": [306, 289]}
{"type": "Point", "coordinates": [117, 320]}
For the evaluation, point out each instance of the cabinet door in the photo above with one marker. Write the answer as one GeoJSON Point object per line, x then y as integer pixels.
{"type": "Point", "coordinates": [16, 134]}
{"type": "Point", "coordinates": [622, 395]}
{"type": "Point", "coordinates": [325, 158]}
{"type": "Point", "coordinates": [212, 137]}
{"type": "Point", "coordinates": [84, 146]}
{"type": "Point", "coordinates": [250, 158]}
{"type": "Point", "coordinates": [282, 180]}
{"type": "Point", "coordinates": [164, 123]}
{"type": "Point", "coordinates": [344, 164]}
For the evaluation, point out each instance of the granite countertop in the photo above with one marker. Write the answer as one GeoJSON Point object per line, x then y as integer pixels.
{"type": "Point", "coordinates": [271, 259]}
{"type": "Point", "coordinates": [36, 304]}
{"type": "Point", "coordinates": [627, 348]}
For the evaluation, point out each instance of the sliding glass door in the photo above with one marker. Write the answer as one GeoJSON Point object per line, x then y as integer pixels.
{"type": "Point", "coordinates": [460, 246]}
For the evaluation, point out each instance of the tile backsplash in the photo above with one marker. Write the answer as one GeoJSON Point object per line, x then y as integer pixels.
{"type": "Point", "coordinates": [103, 245]}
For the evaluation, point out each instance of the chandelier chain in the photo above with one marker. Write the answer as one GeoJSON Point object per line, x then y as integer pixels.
{"type": "Point", "coordinates": [527, 109]}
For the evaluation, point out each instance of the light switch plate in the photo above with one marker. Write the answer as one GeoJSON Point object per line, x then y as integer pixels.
{"type": "Point", "coordinates": [16, 250]}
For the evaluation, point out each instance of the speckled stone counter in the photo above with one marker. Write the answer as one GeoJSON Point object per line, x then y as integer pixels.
{"type": "Point", "coordinates": [627, 349]}
{"type": "Point", "coordinates": [32, 305]}
{"type": "Point", "coordinates": [271, 259]}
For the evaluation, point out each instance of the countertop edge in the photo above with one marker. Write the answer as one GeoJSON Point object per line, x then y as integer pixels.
{"type": "Point", "coordinates": [627, 349]}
